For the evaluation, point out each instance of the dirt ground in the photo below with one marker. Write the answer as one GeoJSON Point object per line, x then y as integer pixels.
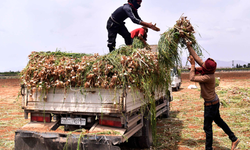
{"type": "Point", "coordinates": [11, 113]}
{"type": "Point", "coordinates": [226, 75]}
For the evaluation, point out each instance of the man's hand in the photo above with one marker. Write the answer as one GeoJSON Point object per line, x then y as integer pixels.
{"type": "Point", "coordinates": [155, 28]}
{"type": "Point", "coordinates": [150, 25]}
{"type": "Point", "coordinates": [148, 47]}
{"type": "Point", "coordinates": [188, 43]}
{"type": "Point", "coordinates": [191, 60]}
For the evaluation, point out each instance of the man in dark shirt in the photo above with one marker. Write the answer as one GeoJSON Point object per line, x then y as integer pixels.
{"type": "Point", "coordinates": [115, 24]}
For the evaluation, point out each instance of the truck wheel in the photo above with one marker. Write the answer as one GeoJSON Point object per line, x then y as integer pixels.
{"type": "Point", "coordinates": [133, 142]}
{"type": "Point", "coordinates": [146, 140]}
{"type": "Point", "coordinates": [177, 88]}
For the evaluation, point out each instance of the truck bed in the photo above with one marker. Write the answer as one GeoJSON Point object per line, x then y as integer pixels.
{"type": "Point", "coordinates": [82, 100]}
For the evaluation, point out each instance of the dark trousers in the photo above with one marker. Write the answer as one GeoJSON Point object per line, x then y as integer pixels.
{"type": "Point", "coordinates": [114, 29]}
{"type": "Point", "coordinates": [211, 114]}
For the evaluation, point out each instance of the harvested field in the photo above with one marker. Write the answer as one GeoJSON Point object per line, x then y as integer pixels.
{"type": "Point", "coordinates": [11, 117]}
{"type": "Point", "coordinates": [226, 75]}
{"type": "Point", "coordinates": [182, 131]}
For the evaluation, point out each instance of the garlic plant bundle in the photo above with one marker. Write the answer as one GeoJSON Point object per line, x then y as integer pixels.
{"type": "Point", "coordinates": [126, 67]}
{"type": "Point", "coordinates": [174, 39]}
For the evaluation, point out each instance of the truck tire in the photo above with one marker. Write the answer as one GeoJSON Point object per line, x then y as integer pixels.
{"type": "Point", "coordinates": [133, 142]}
{"type": "Point", "coordinates": [177, 88]}
{"type": "Point", "coordinates": [146, 140]}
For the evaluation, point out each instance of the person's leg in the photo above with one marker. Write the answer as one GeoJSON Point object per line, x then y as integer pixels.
{"type": "Point", "coordinates": [221, 123]}
{"type": "Point", "coordinates": [126, 35]}
{"type": "Point", "coordinates": [208, 128]}
{"type": "Point", "coordinates": [113, 29]}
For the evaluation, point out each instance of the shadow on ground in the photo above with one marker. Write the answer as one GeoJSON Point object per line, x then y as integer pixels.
{"type": "Point", "coordinates": [169, 132]}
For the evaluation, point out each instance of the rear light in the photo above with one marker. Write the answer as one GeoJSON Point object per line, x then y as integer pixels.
{"type": "Point", "coordinates": [110, 122]}
{"type": "Point", "coordinates": [40, 117]}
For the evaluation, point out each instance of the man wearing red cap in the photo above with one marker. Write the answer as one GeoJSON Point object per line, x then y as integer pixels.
{"type": "Point", "coordinates": [115, 24]}
{"type": "Point", "coordinates": [211, 104]}
{"type": "Point", "coordinates": [141, 33]}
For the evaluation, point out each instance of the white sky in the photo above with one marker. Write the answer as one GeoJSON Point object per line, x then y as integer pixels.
{"type": "Point", "coordinates": [80, 26]}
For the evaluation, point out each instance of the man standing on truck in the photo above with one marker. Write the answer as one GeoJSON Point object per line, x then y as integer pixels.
{"type": "Point", "coordinates": [211, 104]}
{"type": "Point", "coordinates": [115, 24]}
{"type": "Point", "coordinates": [141, 33]}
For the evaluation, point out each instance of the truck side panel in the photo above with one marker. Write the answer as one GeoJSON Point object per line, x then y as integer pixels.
{"type": "Point", "coordinates": [134, 100]}
{"type": "Point", "coordinates": [89, 100]}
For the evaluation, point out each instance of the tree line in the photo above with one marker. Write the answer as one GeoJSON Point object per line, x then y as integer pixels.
{"type": "Point", "coordinates": [243, 66]}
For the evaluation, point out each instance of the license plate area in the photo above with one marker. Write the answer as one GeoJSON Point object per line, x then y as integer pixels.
{"type": "Point", "coordinates": [73, 121]}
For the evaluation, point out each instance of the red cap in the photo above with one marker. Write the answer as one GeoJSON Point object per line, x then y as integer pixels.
{"type": "Point", "coordinates": [210, 66]}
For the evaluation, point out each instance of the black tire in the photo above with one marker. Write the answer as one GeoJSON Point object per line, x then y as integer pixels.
{"type": "Point", "coordinates": [146, 140]}
{"type": "Point", "coordinates": [133, 142]}
{"type": "Point", "coordinates": [177, 88]}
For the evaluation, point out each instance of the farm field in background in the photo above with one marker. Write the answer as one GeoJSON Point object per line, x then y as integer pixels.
{"type": "Point", "coordinates": [183, 130]}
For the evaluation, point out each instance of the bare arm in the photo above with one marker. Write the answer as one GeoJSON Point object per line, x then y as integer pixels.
{"type": "Point", "coordinates": [142, 39]}
{"type": "Point", "coordinates": [150, 25]}
{"type": "Point", "coordinates": [193, 53]}
{"type": "Point", "coordinates": [192, 76]}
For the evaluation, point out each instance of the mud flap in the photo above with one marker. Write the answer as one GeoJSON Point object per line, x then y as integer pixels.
{"type": "Point", "coordinates": [28, 140]}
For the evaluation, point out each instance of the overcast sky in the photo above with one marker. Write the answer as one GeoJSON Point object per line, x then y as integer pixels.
{"type": "Point", "coordinates": [80, 26]}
